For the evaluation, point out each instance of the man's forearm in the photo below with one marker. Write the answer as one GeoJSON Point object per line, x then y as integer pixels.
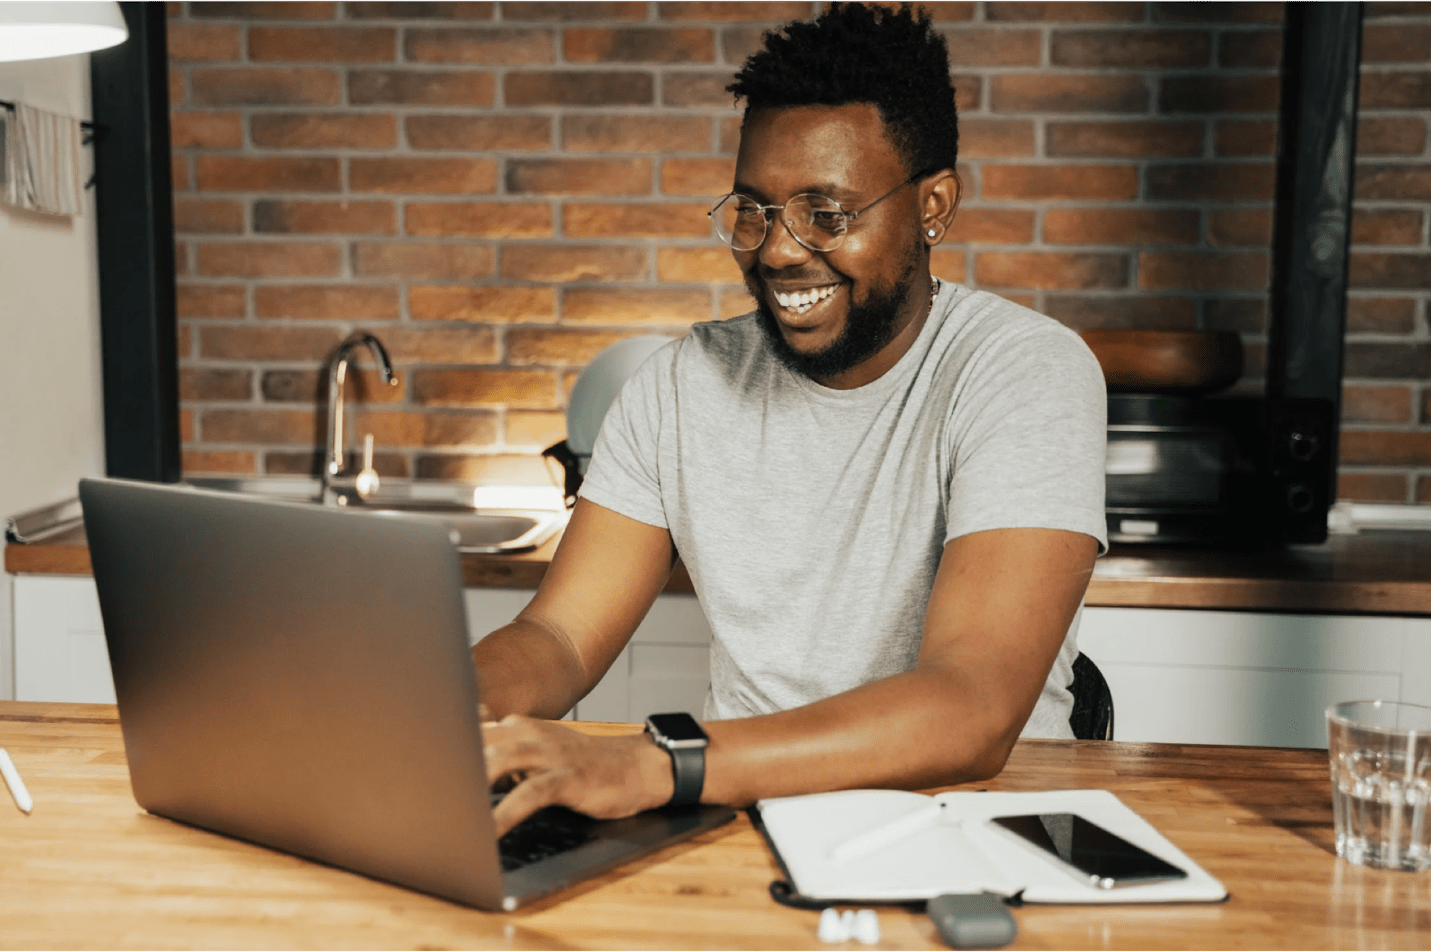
{"type": "Point", "coordinates": [525, 667]}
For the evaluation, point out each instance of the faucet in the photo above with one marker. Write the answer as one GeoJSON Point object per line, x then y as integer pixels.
{"type": "Point", "coordinates": [339, 486]}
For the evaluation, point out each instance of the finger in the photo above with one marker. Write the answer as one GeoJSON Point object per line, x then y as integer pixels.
{"type": "Point", "coordinates": [526, 798]}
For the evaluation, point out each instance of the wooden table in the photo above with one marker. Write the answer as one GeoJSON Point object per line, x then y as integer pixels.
{"type": "Point", "coordinates": [89, 869]}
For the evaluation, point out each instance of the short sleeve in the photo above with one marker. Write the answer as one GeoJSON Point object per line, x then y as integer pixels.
{"type": "Point", "coordinates": [625, 472]}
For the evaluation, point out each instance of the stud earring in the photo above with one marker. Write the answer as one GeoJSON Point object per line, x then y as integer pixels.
{"type": "Point", "coordinates": [931, 233]}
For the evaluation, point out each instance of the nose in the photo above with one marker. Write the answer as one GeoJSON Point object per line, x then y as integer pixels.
{"type": "Point", "coordinates": [780, 249]}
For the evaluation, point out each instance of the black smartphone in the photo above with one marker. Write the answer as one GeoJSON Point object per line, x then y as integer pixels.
{"type": "Point", "coordinates": [1105, 859]}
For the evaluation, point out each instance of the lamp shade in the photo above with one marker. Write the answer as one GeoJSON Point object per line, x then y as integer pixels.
{"type": "Point", "coordinates": [38, 30]}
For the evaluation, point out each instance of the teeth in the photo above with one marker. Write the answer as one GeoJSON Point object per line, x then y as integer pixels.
{"type": "Point", "coordinates": [802, 301]}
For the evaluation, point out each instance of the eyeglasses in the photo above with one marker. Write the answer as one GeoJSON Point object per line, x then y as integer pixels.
{"type": "Point", "coordinates": [816, 221]}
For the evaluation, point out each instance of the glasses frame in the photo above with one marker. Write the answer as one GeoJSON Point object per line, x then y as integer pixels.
{"type": "Point", "coordinates": [850, 216]}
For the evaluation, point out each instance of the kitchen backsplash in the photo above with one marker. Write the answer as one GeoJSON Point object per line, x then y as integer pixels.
{"type": "Point", "coordinates": [500, 190]}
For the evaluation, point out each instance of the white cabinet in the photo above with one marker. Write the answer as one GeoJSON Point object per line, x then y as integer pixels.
{"type": "Point", "coordinates": [60, 654]}
{"type": "Point", "coordinates": [1216, 677]}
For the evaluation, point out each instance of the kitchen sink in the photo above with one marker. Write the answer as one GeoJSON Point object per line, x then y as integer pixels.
{"type": "Point", "coordinates": [480, 519]}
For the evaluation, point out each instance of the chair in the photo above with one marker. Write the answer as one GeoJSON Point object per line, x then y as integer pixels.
{"type": "Point", "coordinates": [1092, 717]}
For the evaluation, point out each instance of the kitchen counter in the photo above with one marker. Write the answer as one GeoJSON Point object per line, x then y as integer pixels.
{"type": "Point", "coordinates": [1382, 572]}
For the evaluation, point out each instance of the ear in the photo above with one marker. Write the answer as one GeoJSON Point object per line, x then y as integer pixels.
{"type": "Point", "coordinates": [941, 193]}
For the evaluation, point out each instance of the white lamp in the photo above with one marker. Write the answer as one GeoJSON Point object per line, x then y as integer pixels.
{"type": "Point", "coordinates": [39, 30]}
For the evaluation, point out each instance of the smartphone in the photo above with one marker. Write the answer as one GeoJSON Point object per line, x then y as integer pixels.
{"type": "Point", "coordinates": [1103, 858]}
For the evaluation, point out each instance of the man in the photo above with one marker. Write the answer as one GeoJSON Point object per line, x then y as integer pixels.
{"type": "Point", "coordinates": [888, 490]}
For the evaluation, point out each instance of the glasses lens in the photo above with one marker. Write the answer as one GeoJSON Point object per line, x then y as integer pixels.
{"type": "Point", "coordinates": [818, 222]}
{"type": "Point", "coordinates": [740, 222]}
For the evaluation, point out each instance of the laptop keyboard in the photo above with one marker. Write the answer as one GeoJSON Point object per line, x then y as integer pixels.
{"type": "Point", "coordinates": [547, 832]}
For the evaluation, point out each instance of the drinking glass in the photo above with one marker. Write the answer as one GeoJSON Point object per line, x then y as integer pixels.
{"type": "Point", "coordinates": [1380, 755]}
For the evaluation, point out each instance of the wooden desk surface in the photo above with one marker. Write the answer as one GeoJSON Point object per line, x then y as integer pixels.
{"type": "Point", "coordinates": [89, 869]}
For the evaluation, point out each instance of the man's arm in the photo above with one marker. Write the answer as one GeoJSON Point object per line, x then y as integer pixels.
{"type": "Point", "coordinates": [1000, 608]}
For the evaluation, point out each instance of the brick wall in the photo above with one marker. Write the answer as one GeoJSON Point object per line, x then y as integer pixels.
{"type": "Point", "coordinates": [500, 190]}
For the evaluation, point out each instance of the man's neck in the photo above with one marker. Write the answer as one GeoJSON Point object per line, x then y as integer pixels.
{"type": "Point", "coordinates": [918, 306]}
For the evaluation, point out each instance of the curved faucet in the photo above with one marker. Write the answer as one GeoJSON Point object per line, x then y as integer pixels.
{"type": "Point", "coordinates": [339, 486]}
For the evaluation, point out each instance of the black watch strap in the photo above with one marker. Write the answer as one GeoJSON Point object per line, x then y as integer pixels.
{"type": "Point", "coordinates": [688, 769]}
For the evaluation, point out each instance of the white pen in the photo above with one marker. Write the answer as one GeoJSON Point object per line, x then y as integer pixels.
{"type": "Point", "coordinates": [886, 833]}
{"type": "Point", "coordinates": [13, 781]}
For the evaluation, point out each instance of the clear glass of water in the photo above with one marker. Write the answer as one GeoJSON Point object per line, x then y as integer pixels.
{"type": "Point", "coordinates": [1381, 783]}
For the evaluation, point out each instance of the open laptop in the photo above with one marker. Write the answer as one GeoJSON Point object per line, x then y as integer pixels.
{"type": "Point", "coordinates": [300, 677]}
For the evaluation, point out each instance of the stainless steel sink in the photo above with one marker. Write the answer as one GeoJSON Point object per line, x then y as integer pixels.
{"type": "Point", "coordinates": [485, 519]}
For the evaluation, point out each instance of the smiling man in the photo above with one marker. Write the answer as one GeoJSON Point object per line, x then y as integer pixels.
{"type": "Point", "coordinates": [887, 489]}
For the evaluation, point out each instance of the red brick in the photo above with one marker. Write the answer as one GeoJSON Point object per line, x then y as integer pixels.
{"type": "Point", "coordinates": [696, 89]}
{"type": "Point", "coordinates": [578, 88]}
{"type": "Point", "coordinates": [581, 10]}
{"type": "Point", "coordinates": [316, 130]}
{"type": "Point", "coordinates": [179, 172]}
{"type": "Point", "coordinates": [1219, 182]}
{"type": "Point", "coordinates": [994, 226]}
{"type": "Point", "coordinates": [1423, 489]}
{"type": "Point", "coordinates": [418, 10]}
{"type": "Point", "coordinates": [228, 462]}
{"type": "Point", "coordinates": [949, 264]}
{"type": "Point", "coordinates": [1130, 49]}
{"type": "Point", "coordinates": [1385, 448]}
{"type": "Point", "coordinates": [398, 259]}
{"type": "Point", "coordinates": [634, 220]}
{"type": "Point", "coordinates": [235, 173]}
{"type": "Point", "coordinates": [205, 130]}
{"type": "Point", "coordinates": [534, 427]}
{"type": "Point", "coordinates": [1395, 43]}
{"type": "Point", "coordinates": [1372, 487]}
{"type": "Point", "coordinates": [325, 44]}
{"type": "Point", "coordinates": [1387, 360]}
{"type": "Point", "coordinates": [1384, 271]}
{"type": "Point", "coordinates": [471, 387]}
{"type": "Point", "coordinates": [181, 259]}
{"type": "Point", "coordinates": [311, 386]}
{"type": "Point", "coordinates": [1064, 12]}
{"type": "Point", "coordinates": [277, 259]}
{"type": "Point", "coordinates": [705, 177]}
{"type": "Point", "coordinates": [748, 12]}
{"type": "Point", "coordinates": [187, 427]}
{"type": "Point", "coordinates": [1376, 404]}
{"type": "Point", "coordinates": [266, 87]}
{"type": "Point", "coordinates": [178, 94]}
{"type": "Point", "coordinates": [1139, 312]}
{"type": "Point", "coordinates": [215, 383]}
{"type": "Point", "coordinates": [638, 45]}
{"type": "Point", "coordinates": [1398, 9]}
{"type": "Point", "coordinates": [407, 429]}
{"type": "Point", "coordinates": [310, 463]}
{"type": "Point", "coordinates": [344, 302]}
{"type": "Point", "coordinates": [423, 176]}
{"type": "Point", "coordinates": [1052, 182]}
{"type": "Point", "coordinates": [733, 304]}
{"type": "Point", "coordinates": [579, 176]}
{"type": "Point", "coordinates": [1044, 92]}
{"type": "Point", "coordinates": [483, 304]}
{"type": "Point", "coordinates": [1239, 226]}
{"type": "Point", "coordinates": [1245, 137]}
{"type": "Point", "coordinates": [996, 138]}
{"type": "Point", "coordinates": [1045, 270]}
{"type": "Point", "coordinates": [478, 219]}
{"type": "Point", "coordinates": [1123, 140]}
{"type": "Point", "coordinates": [1203, 94]}
{"type": "Point", "coordinates": [1197, 12]}
{"type": "Point", "coordinates": [613, 306]}
{"type": "Point", "coordinates": [442, 345]}
{"type": "Point", "coordinates": [1380, 315]}
{"type": "Point", "coordinates": [483, 46]}
{"type": "Point", "coordinates": [1202, 271]}
{"type": "Point", "coordinates": [1390, 135]}
{"type": "Point", "coordinates": [730, 135]}
{"type": "Point", "coordinates": [1119, 226]}
{"type": "Point", "coordinates": [737, 44]}
{"type": "Point", "coordinates": [207, 216]}
{"type": "Point", "coordinates": [204, 42]}
{"type": "Point", "coordinates": [505, 133]}
{"type": "Point", "coordinates": [211, 300]}
{"type": "Point", "coordinates": [276, 10]}
{"type": "Point", "coordinates": [345, 217]}
{"type": "Point", "coordinates": [1389, 227]}
{"type": "Point", "coordinates": [697, 266]}
{"type": "Point", "coordinates": [635, 133]}
{"type": "Point", "coordinates": [558, 263]}
{"type": "Point", "coordinates": [994, 47]}
{"type": "Point", "coordinates": [268, 343]}
{"type": "Point", "coordinates": [1243, 49]}
{"type": "Point", "coordinates": [286, 427]}
{"type": "Point", "coordinates": [1395, 90]}
{"type": "Point", "coordinates": [406, 87]}
{"type": "Point", "coordinates": [968, 92]}
{"type": "Point", "coordinates": [1244, 315]}
{"type": "Point", "coordinates": [1402, 182]}
{"type": "Point", "coordinates": [558, 348]}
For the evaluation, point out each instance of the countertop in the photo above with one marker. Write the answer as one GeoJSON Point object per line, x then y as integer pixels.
{"type": "Point", "coordinates": [1384, 572]}
{"type": "Point", "coordinates": [90, 869]}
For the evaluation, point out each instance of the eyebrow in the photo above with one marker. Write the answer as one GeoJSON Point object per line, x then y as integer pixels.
{"type": "Point", "coordinates": [839, 193]}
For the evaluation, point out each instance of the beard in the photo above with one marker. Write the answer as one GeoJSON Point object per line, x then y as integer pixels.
{"type": "Point", "coordinates": [869, 327]}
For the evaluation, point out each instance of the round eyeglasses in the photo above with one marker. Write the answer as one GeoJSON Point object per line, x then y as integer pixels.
{"type": "Point", "coordinates": [816, 221]}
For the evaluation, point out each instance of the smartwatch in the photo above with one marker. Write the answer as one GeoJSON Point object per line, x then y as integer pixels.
{"type": "Point", "coordinates": [681, 737]}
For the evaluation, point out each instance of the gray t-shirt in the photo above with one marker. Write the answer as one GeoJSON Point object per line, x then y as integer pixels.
{"type": "Point", "coordinates": [812, 520]}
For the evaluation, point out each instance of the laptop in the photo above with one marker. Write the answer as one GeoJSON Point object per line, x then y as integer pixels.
{"type": "Point", "coordinates": [300, 677]}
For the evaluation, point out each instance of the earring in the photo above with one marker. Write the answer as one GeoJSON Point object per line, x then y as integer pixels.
{"type": "Point", "coordinates": [931, 233]}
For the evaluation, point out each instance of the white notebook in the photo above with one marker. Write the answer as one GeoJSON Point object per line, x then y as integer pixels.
{"type": "Point", "coordinates": [946, 844]}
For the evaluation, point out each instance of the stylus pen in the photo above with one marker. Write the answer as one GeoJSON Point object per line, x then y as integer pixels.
{"type": "Point", "coordinates": [886, 833]}
{"type": "Point", "coordinates": [13, 781]}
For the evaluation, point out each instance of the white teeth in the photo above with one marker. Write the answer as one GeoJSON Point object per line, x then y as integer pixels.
{"type": "Point", "coordinates": [802, 301]}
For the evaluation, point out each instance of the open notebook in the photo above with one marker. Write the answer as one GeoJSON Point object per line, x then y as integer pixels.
{"type": "Point", "coordinates": [955, 849]}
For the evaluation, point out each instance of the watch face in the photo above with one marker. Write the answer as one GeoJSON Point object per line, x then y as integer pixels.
{"type": "Point", "coordinates": [676, 728]}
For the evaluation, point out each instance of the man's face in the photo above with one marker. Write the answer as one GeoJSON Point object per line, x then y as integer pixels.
{"type": "Point", "coordinates": [833, 315]}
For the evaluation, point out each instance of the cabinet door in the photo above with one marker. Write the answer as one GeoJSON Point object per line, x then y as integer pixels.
{"type": "Point", "coordinates": [60, 653]}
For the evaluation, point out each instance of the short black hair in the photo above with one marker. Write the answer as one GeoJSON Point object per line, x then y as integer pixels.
{"type": "Point", "coordinates": [857, 53]}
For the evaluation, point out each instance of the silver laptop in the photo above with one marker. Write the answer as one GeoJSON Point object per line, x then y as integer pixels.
{"type": "Point", "coordinates": [300, 677]}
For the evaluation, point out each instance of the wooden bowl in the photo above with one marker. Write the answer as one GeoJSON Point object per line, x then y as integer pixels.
{"type": "Point", "coordinates": [1174, 362]}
